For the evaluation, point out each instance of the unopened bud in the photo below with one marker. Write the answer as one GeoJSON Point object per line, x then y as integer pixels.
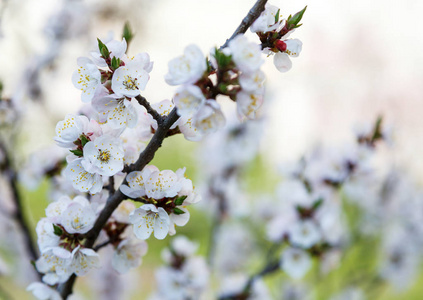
{"type": "Point", "coordinates": [280, 45]}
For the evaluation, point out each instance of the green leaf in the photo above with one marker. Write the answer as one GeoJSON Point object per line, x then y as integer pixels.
{"type": "Point", "coordinates": [127, 33]}
{"type": "Point", "coordinates": [57, 230]}
{"type": "Point", "coordinates": [103, 49]}
{"type": "Point", "coordinates": [115, 63]}
{"type": "Point", "coordinates": [84, 139]}
{"type": "Point", "coordinates": [178, 211]}
{"type": "Point", "coordinates": [180, 200]}
{"type": "Point", "coordinates": [317, 204]}
{"type": "Point", "coordinates": [293, 21]}
{"type": "Point", "coordinates": [277, 16]}
{"type": "Point", "coordinates": [77, 152]}
{"type": "Point", "coordinates": [222, 59]}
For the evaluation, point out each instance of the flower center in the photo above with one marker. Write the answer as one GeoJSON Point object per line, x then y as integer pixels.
{"type": "Point", "coordinates": [103, 155]}
{"type": "Point", "coordinates": [130, 83]}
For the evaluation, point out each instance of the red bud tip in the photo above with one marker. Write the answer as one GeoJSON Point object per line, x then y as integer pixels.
{"type": "Point", "coordinates": [280, 45]}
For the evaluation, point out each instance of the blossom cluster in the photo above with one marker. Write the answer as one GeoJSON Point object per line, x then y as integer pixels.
{"type": "Point", "coordinates": [310, 217]}
{"type": "Point", "coordinates": [107, 141]}
{"type": "Point", "coordinates": [100, 143]}
{"type": "Point", "coordinates": [185, 276]}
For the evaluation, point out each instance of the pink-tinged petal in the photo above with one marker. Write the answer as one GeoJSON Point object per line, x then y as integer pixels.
{"type": "Point", "coordinates": [282, 62]}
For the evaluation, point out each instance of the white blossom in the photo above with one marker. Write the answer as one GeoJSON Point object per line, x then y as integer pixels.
{"type": "Point", "coordinates": [267, 20]}
{"type": "Point", "coordinates": [295, 262]}
{"type": "Point", "coordinates": [117, 111]}
{"type": "Point", "coordinates": [43, 292]}
{"type": "Point", "coordinates": [87, 78]}
{"type": "Point", "coordinates": [248, 104]}
{"type": "Point", "coordinates": [142, 59]}
{"type": "Point", "coordinates": [136, 182]}
{"type": "Point", "coordinates": [103, 156]}
{"type": "Point", "coordinates": [253, 82]}
{"type": "Point", "coordinates": [246, 55]}
{"type": "Point", "coordinates": [209, 118]}
{"type": "Point", "coordinates": [149, 218]}
{"type": "Point", "coordinates": [45, 233]}
{"type": "Point", "coordinates": [55, 209]}
{"type": "Point", "coordinates": [55, 262]}
{"type": "Point", "coordinates": [281, 59]}
{"type": "Point", "coordinates": [79, 216]}
{"type": "Point", "coordinates": [130, 79]}
{"type": "Point", "coordinates": [188, 99]}
{"type": "Point", "coordinates": [304, 234]}
{"type": "Point", "coordinates": [72, 127]}
{"type": "Point", "coordinates": [128, 255]}
{"type": "Point", "coordinates": [162, 184]}
{"type": "Point", "coordinates": [83, 260]}
{"type": "Point", "coordinates": [82, 180]}
{"type": "Point", "coordinates": [188, 68]}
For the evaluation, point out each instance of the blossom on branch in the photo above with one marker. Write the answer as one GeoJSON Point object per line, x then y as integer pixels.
{"type": "Point", "coordinates": [187, 68]}
{"type": "Point", "coordinates": [149, 218]}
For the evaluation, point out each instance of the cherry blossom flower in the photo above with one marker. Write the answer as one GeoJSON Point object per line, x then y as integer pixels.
{"type": "Point", "coordinates": [128, 255]}
{"type": "Point", "coordinates": [136, 182]}
{"type": "Point", "coordinates": [267, 20]}
{"type": "Point", "coordinates": [83, 260]}
{"type": "Point", "coordinates": [295, 262]}
{"type": "Point", "coordinates": [149, 218]}
{"type": "Point", "coordinates": [117, 111]}
{"type": "Point", "coordinates": [248, 104]}
{"type": "Point", "coordinates": [81, 179]}
{"type": "Point", "coordinates": [291, 47]}
{"type": "Point", "coordinates": [209, 118]}
{"type": "Point", "coordinates": [72, 127]}
{"type": "Point", "coordinates": [188, 99]}
{"type": "Point", "coordinates": [162, 184]}
{"type": "Point", "coordinates": [45, 233]}
{"type": "Point", "coordinates": [188, 68]}
{"type": "Point", "coordinates": [43, 292]}
{"type": "Point", "coordinates": [304, 234]}
{"type": "Point", "coordinates": [143, 59]}
{"type": "Point", "coordinates": [130, 79]}
{"type": "Point", "coordinates": [55, 262]}
{"type": "Point", "coordinates": [87, 78]}
{"type": "Point", "coordinates": [253, 82]}
{"type": "Point", "coordinates": [79, 216]}
{"type": "Point", "coordinates": [246, 55]}
{"type": "Point", "coordinates": [103, 156]}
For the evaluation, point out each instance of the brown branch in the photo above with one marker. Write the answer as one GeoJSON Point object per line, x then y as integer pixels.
{"type": "Point", "coordinates": [249, 19]}
{"type": "Point", "coordinates": [98, 247]}
{"type": "Point", "coordinates": [18, 215]}
{"type": "Point", "coordinates": [141, 100]}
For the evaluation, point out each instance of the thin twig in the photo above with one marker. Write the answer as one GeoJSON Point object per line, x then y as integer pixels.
{"type": "Point", "coordinates": [141, 100]}
{"type": "Point", "coordinates": [18, 215]}
{"type": "Point", "coordinates": [98, 247]}
{"type": "Point", "coordinates": [249, 19]}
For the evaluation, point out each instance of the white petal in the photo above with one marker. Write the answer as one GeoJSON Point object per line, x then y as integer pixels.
{"type": "Point", "coordinates": [282, 62]}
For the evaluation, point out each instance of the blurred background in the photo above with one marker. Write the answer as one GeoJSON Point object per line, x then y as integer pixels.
{"type": "Point", "coordinates": [360, 59]}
